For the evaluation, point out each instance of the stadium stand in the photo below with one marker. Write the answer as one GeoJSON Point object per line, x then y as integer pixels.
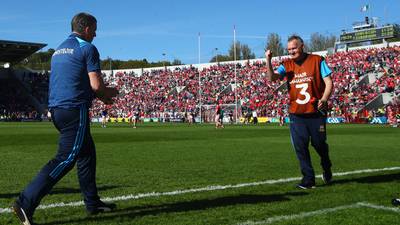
{"type": "Point", "coordinates": [175, 91]}
{"type": "Point", "coordinates": [23, 93]}
{"type": "Point", "coordinates": [367, 85]}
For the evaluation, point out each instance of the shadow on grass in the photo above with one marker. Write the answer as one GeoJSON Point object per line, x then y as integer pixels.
{"type": "Point", "coordinates": [194, 205]}
{"type": "Point", "coordinates": [369, 179]}
{"type": "Point", "coordinates": [61, 190]}
{"type": "Point", "coordinates": [204, 204]}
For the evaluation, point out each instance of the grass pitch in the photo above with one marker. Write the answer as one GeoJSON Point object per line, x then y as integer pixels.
{"type": "Point", "coordinates": [175, 158]}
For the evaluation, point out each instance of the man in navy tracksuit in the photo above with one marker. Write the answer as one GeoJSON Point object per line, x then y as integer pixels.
{"type": "Point", "coordinates": [74, 81]}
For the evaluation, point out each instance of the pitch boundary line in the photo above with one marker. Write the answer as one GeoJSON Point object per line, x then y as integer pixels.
{"type": "Point", "coordinates": [320, 212]}
{"type": "Point", "coordinates": [379, 207]}
{"type": "Point", "coordinates": [300, 215]}
{"type": "Point", "coordinates": [203, 189]}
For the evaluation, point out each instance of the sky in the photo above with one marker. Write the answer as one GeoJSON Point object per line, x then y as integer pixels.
{"type": "Point", "coordinates": [159, 30]}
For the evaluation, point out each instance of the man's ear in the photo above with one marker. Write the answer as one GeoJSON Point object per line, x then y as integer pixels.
{"type": "Point", "coordinates": [87, 30]}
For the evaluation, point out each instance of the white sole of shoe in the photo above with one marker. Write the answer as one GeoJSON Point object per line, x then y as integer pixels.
{"type": "Point", "coordinates": [24, 220]}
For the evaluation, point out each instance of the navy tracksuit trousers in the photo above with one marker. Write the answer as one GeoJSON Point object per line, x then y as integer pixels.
{"type": "Point", "coordinates": [75, 146]}
{"type": "Point", "coordinates": [302, 129]}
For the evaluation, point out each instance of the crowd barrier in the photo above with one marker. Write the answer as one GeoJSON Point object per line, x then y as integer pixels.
{"type": "Point", "coordinates": [335, 120]}
{"type": "Point", "coordinates": [379, 120]}
{"type": "Point", "coordinates": [331, 120]}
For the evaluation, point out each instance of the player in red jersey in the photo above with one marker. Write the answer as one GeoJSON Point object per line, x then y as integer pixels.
{"type": "Point", "coordinates": [310, 86]}
{"type": "Point", "coordinates": [130, 117]}
{"type": "Point", "coordinates": [219, 115]}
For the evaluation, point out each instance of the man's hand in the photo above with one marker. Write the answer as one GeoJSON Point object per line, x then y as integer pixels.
{"type": "Point", "coordinates": [109, 93]}
{"type": "Point", "coordinates": [268, 55]}
{"type": "Point", "coordinates": [322, 104]}
{"type": "Point", "coordinates": [112, 92]}
{"type": "Point", "coordinates": [271, 74]}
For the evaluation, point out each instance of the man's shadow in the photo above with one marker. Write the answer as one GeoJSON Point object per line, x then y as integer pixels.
{"type": "Point", "coordinates": [184, 206]}
{"type": "Point", "coordinates": [368, 179]}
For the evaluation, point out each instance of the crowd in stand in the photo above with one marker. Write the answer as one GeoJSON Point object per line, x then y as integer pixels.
{"type": "Point", "coordinates": [161, 92]}
{"type": "Point", "coordinates": [350, 95]}
{"type": "Point", "coordinates": [169, 93]}
{"type": "Point", "coordinates": [392, 112]}
{"type": "Point", "coordinates": [177, 91]}
{"type": "Point", "coordinates": [14, 104]}
{"type": "Point", "coordinates": [37, 84]}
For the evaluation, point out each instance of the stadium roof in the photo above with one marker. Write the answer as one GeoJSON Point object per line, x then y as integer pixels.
{"type": "Point", "coordinates": [15, 51]}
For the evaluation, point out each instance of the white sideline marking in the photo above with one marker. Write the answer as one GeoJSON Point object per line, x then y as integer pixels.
{"type": "Point", "coordinates": [369, 205]}
{"type": "Point", "coordinates": [5, 210]}
{"type": "Point", "coordinates": [320, 212]}
{"type": "Point", "coordinates": [203, 189]}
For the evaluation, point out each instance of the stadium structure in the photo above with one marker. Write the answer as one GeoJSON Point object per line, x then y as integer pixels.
{"type": "Point", "coordinates": [21, 96]}
{"type": "Point", "coordinates": [365, 62]}
{"type": "Point", "coordinates": [370, 70]}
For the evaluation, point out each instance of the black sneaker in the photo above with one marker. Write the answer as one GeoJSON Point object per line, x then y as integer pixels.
{"type": "Point", "coordinates": [306, 185]}
{"type": "Point", "coordinates": [101, 207]}
{"type": "Point", "coordinates": [396, 201]}
{"type": "Point", "coordinates": [327, 176]}
{"type": "Point", "coordinates": [21, 214]}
